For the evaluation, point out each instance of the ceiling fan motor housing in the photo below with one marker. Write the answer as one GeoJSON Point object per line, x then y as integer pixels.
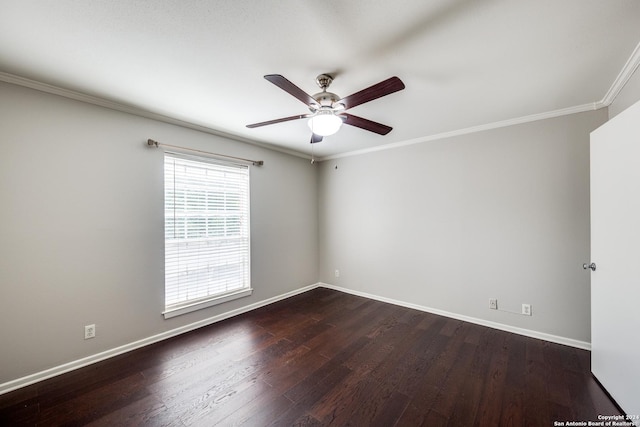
{"type": "Point", "coordinates": [326, 99]}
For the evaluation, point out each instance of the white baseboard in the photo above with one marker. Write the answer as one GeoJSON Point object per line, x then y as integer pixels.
{"type": "Point", "coordinates": [76, 364]}
{"type": "Point", "coordinates": [495, 325]}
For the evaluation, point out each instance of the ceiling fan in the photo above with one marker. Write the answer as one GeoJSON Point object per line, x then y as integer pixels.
{"type": "Point", "coordinates": [327, 110]}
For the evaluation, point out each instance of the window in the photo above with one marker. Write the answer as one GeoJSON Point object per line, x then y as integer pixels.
{"type": "Point", "coordinates": [206, 219]}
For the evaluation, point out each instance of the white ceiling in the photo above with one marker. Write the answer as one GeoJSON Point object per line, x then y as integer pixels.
{"type": "Point", "coordinates": [465, 63]}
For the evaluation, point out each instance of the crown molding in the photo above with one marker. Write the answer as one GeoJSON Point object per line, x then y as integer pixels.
{"type": "Point", "coordinates": [621, 80]}
{"type": "Point", "coordinates": [473, 129]}
{"type": "Point", "coordinates": [625, 74]}
{"type": "Point", "coordinates": [136, 111]}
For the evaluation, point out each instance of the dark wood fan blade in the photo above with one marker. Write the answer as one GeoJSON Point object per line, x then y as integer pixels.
{"type": "Point", "coordinates": [284, 119]}
{"type": "Point", "coordinates": [315, 138]}
{"type": "Point", "coordinates": [386, 87]}
{"type": "Point", "coordinates": [371, 126]}
{"type": "Point", "coordinates": [290, 88]}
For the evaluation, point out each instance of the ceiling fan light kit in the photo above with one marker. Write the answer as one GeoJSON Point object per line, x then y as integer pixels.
{"type": "Point", "coordinates": [328, 109]}
{"type": "Point", "coordinates": [325, 122]}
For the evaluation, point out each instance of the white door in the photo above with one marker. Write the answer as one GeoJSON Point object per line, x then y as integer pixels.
{"type": "Point", "coordinates": [615, 250]}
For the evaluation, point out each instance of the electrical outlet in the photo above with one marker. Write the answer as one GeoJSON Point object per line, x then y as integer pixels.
{"type": "Point", "coordinates": [89, 331]}
{"type": "Point", "coordinates": [337, 273]}
{"type": "Point", "coordinates": [493, 304]}
{"type": "Point", "coordinates": [526, 309]}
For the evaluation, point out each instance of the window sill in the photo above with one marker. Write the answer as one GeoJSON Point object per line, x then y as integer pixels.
{"type": "Point", "coordinates": [173, 312]}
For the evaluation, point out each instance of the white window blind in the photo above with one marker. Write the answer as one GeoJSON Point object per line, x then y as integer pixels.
{"type": "Point", "coordinates": [207, 253]}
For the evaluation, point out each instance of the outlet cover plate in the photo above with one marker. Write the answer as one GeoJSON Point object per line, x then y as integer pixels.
{"type": "Point", "coordinates": [89, 331]}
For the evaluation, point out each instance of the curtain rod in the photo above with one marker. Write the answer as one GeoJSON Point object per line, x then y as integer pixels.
{"type": "Point", "coordinates": [152, 143]}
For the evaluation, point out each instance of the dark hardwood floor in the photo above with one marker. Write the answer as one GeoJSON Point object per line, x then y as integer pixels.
{"type": "Point", "coordinates": [324, 358]}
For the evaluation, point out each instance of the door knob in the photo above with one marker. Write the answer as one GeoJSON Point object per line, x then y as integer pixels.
{"type": "Point", "coordinates": [592, 266]}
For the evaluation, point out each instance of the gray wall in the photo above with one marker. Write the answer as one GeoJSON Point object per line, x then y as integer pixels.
{"type": "Point", "coordinates": [446, 225]}
{"type": "Point", "coordinates": [629, 95]}
{"type": "Point", "coordinates": [81, 229]}
{"type": "Point", "coordinates": [449, 224]}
